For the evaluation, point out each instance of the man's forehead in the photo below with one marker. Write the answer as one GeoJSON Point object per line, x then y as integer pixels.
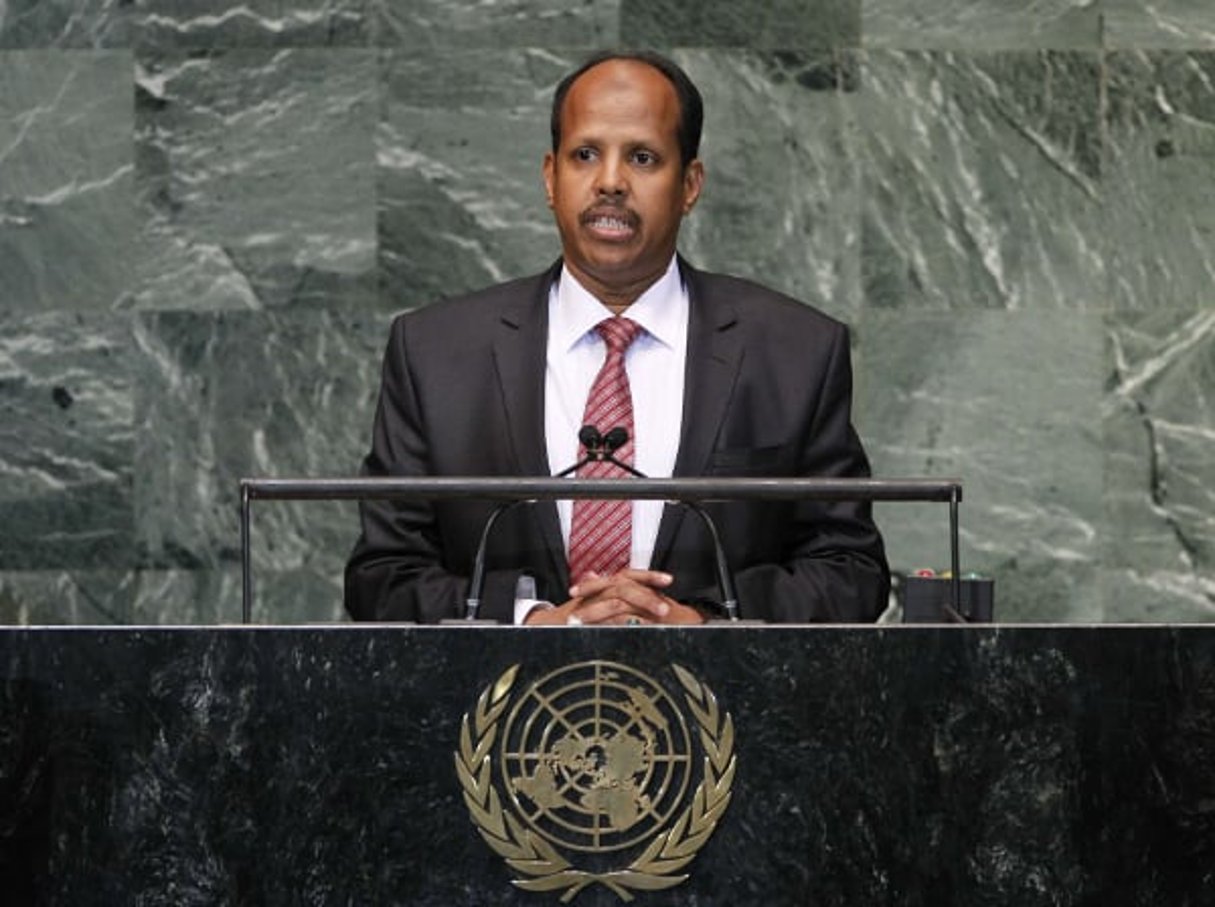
{"type": "Point", "coordinates": [620, 74]}
{"type": "Point", "coordinates": [632, 93]}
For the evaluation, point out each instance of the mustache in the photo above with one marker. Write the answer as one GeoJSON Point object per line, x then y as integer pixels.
{"type": "Point", "coordinates": [619, 212]}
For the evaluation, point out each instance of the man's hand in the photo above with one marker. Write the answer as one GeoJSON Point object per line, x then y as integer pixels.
{"type": "Point", "coordinates": [629, 596]}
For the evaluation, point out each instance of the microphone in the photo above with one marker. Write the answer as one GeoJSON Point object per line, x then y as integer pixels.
{"type": "Point", "coordinates": [615, 439]}
{"type": "Point", "coordinates": [588, 437]}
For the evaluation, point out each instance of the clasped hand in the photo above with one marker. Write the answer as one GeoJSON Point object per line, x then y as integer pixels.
{"type": "Point", "coordinates": [627, 597]}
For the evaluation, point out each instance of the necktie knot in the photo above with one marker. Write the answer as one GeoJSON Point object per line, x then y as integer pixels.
{"type": "Point", "coordinates": [618, 333]}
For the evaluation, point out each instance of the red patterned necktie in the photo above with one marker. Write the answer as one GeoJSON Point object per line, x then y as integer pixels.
{"type": "Point", "coordinates": [601, 532]}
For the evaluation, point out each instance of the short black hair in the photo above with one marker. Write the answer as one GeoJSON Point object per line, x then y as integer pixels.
{"type": "Point", "coordinates": [691, 106]}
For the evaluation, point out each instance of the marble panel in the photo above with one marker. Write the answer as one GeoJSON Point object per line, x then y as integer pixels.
{"type": "Point", "coordinates": [255, 179]}
{"type": "Point", "coordinates": [1159, 170]}
{"type": "Point", "coordinates": [48, 597]}
{"type": "Point", "coordinates": [432, 24]}
{"type": "Point", "coordinates": [65, 23]}
{"type": "Point", "coordinates": [310, 594]}
{"type": "Point", "coordinates": [66, 164]}
{"type": "Point", "coordinates": [1178, 24]}
{"type": "Point", "coordinates": [781, 200]}
{"type": "Point", "coordinates": [167, 597]}
{"type": "Point", "coordinates": [1007, 402]}
{"type": "Point", "coordinates": [1159, 423]}
{"type": "Point", "coordinates": [66, 442]}
{"type": "Point", "coordinates": [976, 25]}
{"type": "Point", "coordinates": [229, 395]}
{"type": "Point", "coordinates": [252, 23]}
{"type": "Point", "coordinates": [982, 181]}
{"type": "Point", "coordinates": [460, 144]}
{"type": "Point", "coordinates": [774, 24]}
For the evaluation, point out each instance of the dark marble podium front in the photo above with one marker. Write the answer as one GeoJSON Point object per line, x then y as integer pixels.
{"type": "Point", "coordinates": [900, 765]}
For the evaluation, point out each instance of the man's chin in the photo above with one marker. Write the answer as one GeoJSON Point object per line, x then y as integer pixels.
{"type": "Point", "coordinates": [612, 273]}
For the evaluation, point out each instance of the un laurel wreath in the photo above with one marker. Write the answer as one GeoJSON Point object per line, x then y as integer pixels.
{"type": "Point", "coordinates": [595, 759]}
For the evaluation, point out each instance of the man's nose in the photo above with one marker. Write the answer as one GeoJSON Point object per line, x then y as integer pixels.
{"type": "Point", "coordinates": [611, 177]}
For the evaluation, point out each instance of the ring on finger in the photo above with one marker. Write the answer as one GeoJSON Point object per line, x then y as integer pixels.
{"type": "Point", "coordinates": [633, 622]}
{"type": "Point", "coordinates": [573, 621]}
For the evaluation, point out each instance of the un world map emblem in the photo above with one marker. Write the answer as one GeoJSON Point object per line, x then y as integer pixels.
{"type": "Point", "coordinates": [594, 774]}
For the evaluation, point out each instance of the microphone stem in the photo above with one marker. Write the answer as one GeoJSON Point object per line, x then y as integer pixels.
{"type": "Point", "coordinates": [625, 466]}
{"type": "Point", "coordinates": [476, 583]}
{"type": "Point", "coordinates": [725, 579]}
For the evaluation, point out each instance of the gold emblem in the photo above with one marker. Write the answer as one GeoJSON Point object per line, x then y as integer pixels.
{"type": "Point", "coordinates": [595, 761]}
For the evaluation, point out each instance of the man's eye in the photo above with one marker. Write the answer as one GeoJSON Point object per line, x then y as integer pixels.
{"type": "Point", "coordinates": [645, 158]}
{"type": "Point", "coordinates": [583, 154]}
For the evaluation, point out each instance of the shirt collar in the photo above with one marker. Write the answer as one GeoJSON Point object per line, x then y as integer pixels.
{"type": "Point", "coordinates": [662, 310]}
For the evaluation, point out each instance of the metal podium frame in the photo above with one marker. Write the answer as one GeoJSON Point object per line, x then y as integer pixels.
{"type": "Point", "coordinates": [682, 490]}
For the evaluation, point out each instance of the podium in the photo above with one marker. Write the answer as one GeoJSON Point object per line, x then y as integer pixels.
{"type": "Point", "coordinates": [917, 765]}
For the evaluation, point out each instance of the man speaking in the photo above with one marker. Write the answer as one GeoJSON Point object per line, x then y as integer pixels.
{"type": "Point", "coordinates": [703, 375]}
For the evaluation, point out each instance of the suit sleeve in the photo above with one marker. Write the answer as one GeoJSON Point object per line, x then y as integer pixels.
{"type": "Point", "coordinates": [398, 570]}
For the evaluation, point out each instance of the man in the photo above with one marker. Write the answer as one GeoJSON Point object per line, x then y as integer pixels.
{"type": "Point", "coordinates": [709, 374]}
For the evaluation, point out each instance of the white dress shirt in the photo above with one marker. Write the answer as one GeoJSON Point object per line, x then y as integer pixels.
{"type": "Point", "coordinates": [655, 365]}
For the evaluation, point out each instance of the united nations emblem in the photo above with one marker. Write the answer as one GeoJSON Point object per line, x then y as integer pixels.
{"type": "Point", "coordinates": [584, 778]}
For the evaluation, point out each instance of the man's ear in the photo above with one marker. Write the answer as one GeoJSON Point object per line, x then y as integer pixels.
{"type": "Point", "coordinates": [693, 183]}
{"type": "Point", "coordinates": [548, 168]}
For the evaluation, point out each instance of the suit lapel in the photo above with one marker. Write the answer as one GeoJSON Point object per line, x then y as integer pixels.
{"type": "Point", "coordinates": [520, 350]}
{"type": "Point", "coordinates": [715, 354]}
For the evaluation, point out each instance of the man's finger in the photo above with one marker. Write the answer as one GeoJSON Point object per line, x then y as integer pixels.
{"type": "Point", "coordinates": [632, 598]}
{"type": "Point", "coordinates": [591, 584]}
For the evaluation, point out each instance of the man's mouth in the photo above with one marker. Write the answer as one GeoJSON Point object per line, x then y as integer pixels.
{"type": "Point", "coordinates": [613, 224]}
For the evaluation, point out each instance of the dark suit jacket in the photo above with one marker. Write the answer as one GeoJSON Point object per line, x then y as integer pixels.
{"type": "Point", "coordinates": [768, 393]}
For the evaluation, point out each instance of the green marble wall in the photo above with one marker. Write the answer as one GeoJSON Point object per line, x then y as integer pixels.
{"type": "Point", "coordinates": [209, 212]}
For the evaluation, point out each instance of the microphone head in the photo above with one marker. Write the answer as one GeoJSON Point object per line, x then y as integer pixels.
{"type": "Point", "coordinates": [589, 437]}
{"type": "Point", "coordinates": [615, 438]}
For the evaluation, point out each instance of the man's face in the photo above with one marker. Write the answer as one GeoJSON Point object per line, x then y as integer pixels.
{"type": "Point", "coordinates": [616, 184]}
